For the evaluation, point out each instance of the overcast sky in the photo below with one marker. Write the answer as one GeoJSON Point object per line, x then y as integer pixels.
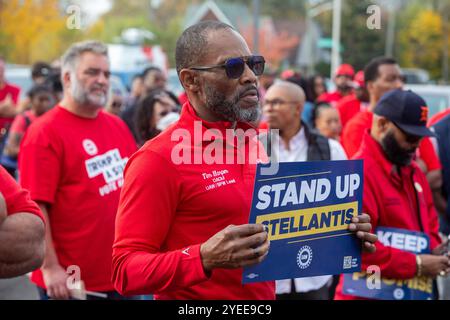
{"type": "Point", "coordinates": [94, 8]}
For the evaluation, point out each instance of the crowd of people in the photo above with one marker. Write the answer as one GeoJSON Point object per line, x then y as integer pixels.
{"type": "Point", "coordinates": [95, 169]}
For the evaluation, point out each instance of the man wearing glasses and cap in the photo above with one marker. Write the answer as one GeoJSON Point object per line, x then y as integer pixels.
{"type": "Point", "coordinates": [181, 229]}
{"type": "Point", "coordinates": [396, 192]}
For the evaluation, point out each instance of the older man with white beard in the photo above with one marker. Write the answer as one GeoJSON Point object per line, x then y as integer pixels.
{"type": "Point", "coordinates": [71, 161]}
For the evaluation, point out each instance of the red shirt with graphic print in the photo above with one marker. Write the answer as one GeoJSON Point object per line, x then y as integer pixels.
{"type": "Point", "coordinates": [75, 165]}
{"type": "Point", "coordinates": [170, 205]}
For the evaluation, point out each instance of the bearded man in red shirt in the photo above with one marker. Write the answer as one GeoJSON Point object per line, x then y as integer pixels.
{"type": "Point", "coordinates": [71, 160]}
{"type": "Point", "coordinates": [181, 229]}
{"type": "Point", "coordinates": [396, 192]}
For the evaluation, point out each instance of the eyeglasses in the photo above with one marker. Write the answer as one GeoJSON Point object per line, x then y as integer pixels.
{"type": "Point", "coordinates": [235, 67]}
{"type": "Point", "coordinates": [277, 102]}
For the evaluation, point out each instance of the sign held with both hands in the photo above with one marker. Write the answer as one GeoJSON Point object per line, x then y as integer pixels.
{"type": "Point", "coordinates": [307, 207]}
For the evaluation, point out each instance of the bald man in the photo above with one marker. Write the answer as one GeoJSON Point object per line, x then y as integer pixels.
{"type": "Point", "coordinates": [283, 107]}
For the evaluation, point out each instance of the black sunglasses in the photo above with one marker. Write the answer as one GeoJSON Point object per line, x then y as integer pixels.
{"type": "Point", "coordinates": [235, 67]}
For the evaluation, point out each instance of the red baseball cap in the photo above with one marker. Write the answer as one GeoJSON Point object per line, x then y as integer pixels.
{"type": "Point", "coordinates": [345, 70]}
{"type": "Point", "coordinates": [359, 79]}
{"type": "Point", "coordinates": [287, 74]}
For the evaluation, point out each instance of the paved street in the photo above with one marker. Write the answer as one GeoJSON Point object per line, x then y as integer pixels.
{"type": "Point", "coordinates": [19, 288]}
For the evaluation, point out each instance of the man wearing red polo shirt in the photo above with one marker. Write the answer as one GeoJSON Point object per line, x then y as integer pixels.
{"type": "Point", "coordinates": [344, 87]}
{"type": "Point", "coordinates": [396, 192]}
{"type": "Point", "coordinates": [181, 229]}
{"type": "Point", "coordinates": [71, 160]}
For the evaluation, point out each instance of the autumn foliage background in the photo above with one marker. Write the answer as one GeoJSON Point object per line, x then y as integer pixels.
{"type": "Point", "coordinates": [32, 30]}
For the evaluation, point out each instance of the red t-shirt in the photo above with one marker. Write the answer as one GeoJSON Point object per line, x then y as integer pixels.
{"type": "Point", "coordinates": [75, 165]}
{"type": "Point", "coordinates": [19, 124]}
{"type": "Point", "coordinates": [13, 92]}
{"type": "Point", "coordinates": [428, 154]}
{"type": "Point", "coordinates": [16, 199]}
{"type": "Point", "coordinates": [354, 131]}
{"type": "Point", "coordinates": [331, 97]}
{"type": "Point", "coordinates": [390, 200]}
{"type": "Point", "coordinates": [348, 107]}
{"type": "Point", "coordinates": [168, 210]}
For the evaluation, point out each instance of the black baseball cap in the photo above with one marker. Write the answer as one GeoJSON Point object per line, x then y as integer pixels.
{"type": "Point", "coordinates": [40, 69]}
{"type": "Point", "coordinates": [406, 110]}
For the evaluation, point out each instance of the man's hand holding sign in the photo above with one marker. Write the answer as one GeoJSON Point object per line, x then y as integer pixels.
{"type": "Point", "coordinates": [312, 220]}
{"type": "Point", "coordinates": [361, 225]}
{"type": "Point", "coordinates": [235, 247]}
{"type": "Point", "coordinates": [437, 263]}
{"type": "Point", "coordinates": [247, 245]}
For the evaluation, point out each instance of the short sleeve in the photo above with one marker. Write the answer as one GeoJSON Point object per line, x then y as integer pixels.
{"type": "Point", "coordinates": [40, 163]}
{"type": "Point", "coordinates": [17, 199]}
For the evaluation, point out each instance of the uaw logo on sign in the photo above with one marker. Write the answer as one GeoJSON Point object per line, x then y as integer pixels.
{"type": "Point", "coordinates": [307, 208]}
{"type": "Point", "coordinates": [418, 288]}
{"type": "Point", "coordinates": [304, 257]}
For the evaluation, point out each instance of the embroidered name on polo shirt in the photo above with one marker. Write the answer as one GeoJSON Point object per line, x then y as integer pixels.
{"type": "Point", "coordinates": [217, 179]}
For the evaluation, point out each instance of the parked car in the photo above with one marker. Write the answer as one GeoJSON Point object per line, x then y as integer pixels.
{"type": "Point", "coordinates": [437, 97]}
{"type": "Point", "coordinates": [19, 76]}
{"type": "Point", "coordinates": [415, 76]}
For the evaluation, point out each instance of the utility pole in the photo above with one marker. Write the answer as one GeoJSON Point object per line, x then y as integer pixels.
{"type": "Point", "coordinates": [256, 9]}
{"type": "Point", "coordinates": [335, 54]}
{"type": "Point", "coordinates": [390, 37]}
{"type": "Point", "coordinates": [316, 8]}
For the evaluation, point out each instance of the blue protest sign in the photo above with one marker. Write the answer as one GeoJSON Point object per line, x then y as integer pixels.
{"type": "Point", "coordinates": [364, 285]}
{"type": "Point", "coordinates": [307, 207]}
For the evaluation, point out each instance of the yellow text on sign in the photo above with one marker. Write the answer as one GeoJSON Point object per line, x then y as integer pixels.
{"type": "Point", "coordinates": [312, 221]}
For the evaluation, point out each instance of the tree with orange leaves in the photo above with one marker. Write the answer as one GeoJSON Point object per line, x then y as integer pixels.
{"type": "Point", "coordinates": [275, 47]}
{"type": "Point", "coordinates": [32, 30]}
